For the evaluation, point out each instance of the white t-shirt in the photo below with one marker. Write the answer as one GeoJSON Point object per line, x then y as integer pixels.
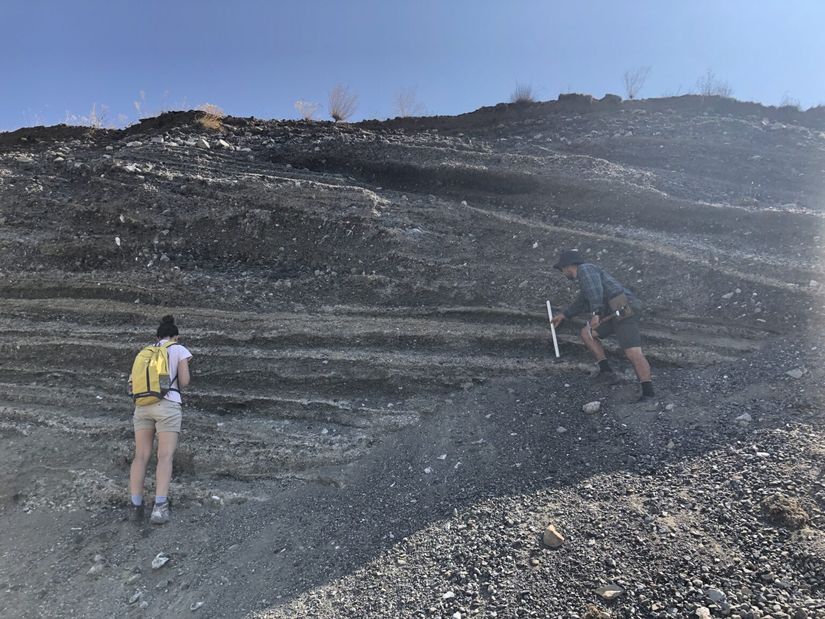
{"type": "Point", "coordinates": [176, 354]}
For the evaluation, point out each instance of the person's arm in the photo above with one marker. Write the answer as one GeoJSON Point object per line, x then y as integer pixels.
{"type": "Point", "coordinates": [575, 308]}
{"type": "Point", "coordinates": [183, 377]}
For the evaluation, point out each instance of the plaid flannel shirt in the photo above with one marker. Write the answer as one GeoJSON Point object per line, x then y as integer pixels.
{"type": "Point", "coordinates": [595, 288]}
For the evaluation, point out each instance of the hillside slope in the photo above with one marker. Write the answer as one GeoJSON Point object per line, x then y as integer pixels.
{"type": "Point", "coordinates": [363, 299]}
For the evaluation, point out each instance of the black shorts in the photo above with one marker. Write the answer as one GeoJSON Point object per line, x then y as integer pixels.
{"type": "Point", "coordinates": [626, 331]}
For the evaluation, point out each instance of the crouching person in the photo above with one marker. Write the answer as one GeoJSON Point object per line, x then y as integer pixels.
{"type": "Point", "coordinates": [612, 310]}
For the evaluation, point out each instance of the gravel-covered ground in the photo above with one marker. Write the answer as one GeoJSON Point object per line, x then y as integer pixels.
{"type": "Point", "coordinates": [679, 506]}
{"type": "Point", "coordinates": [377, 426]}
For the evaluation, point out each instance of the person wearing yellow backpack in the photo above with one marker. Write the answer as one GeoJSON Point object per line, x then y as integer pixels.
{"type": "Point", "coordinates": [158, 374]}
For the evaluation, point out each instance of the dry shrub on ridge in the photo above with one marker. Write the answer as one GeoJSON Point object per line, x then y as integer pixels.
{"type": "Point", "coordinates": [342, 103]}
{"type": "Point", "coordinates": [406, 103]}
{"type": "Point", "coordinates": [635, 80]}
{"type": "Point", "coordinates": [212, 117]}
{"type": "Point", "coordinates": [709, 85]}
{"type": "Point", "coordinates": [306, 109]}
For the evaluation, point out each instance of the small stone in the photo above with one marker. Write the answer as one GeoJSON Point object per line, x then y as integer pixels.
{"type": "Point", "coordinates": [561, 429]}
{"type": "Point", "coordinates": [715, 595]}
{"type": "Point", "coordinates": [159, 561]}
{"type": "Point", "coordinates": [157, 140]}
{"type": "Point", "coordinates": [224, 144]}
{"type": "Point", "coordinates": [594, 612]}
{"type": "Point", "coordinates": [134, 143]}
{"type": "Point", "coordinates": [448, 596]}
{"type": "Point", "coordinates": [813, 284]}
{"type": "Point", "coordinates": [592, 407]}
{"type": "Point", "coordinates": [670, 407]}
{"type": "Point", "coordinates": [609, 592]}
{"type": "Point", "coordinates": [202, 143]}
{"type": "Point", "coordinates": [457, 615]}
{"type": "Point", "coordinates": [552, 538]}
{"type": "Point", "coordinates": [795, 373]}
{"type": "Point", "coordinates": [703, 612]}
{"type": "Point", "coordinates": [196, 605]}
{"type": "Point", "coordinates": [135, 597]}
{"type": "Point", "coordinates": [133, 579]}
{"type": "Point", "coordinates": [95, 570]}
{"type": "Point", "coordinates": [744, 418]}
{"type": "Point", "coordinates": [727, 296]}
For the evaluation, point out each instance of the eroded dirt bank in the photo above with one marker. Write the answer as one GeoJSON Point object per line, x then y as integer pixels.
{"type": "Point", "coordinates": [376, 420]}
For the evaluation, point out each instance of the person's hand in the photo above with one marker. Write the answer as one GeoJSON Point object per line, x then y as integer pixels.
{"type": "Point", "coordinates": [594, 322]}
{"type": "Point", "coordinates": [557, 319]}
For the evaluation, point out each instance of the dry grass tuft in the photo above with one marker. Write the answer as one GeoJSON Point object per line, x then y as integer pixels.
{"type": "Point", "coordinates": [523, 93]}
{"type": "Point", "coordinates": [96, 119]}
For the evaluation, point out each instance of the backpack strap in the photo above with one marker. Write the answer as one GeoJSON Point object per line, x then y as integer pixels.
{"type": "Point", "coordinates": [167, 346]}
{"type": "Point", "coordinates": [171, 388]}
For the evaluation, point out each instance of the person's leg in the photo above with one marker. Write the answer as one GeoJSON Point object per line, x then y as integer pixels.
{"type": "Point", "coordinates": [167, 442]}
{"type": "Point", "coordinates": [630, 340]}
{"type": "Point", "coordinates": [639, 362]}
{"type": "Point", "coordinates": [605, 374]}
{"type": "Point", "coordinates": [592, 344]}
{"type": "Point", "coordinates": [144, 437]}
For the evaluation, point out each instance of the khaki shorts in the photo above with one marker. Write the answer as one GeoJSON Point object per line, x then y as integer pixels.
{"type": "Point", "coordinates": [165, 416]}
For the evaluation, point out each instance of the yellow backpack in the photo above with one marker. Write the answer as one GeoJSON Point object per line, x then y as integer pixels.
{"type": "Point", "coordinates": [150, 375]}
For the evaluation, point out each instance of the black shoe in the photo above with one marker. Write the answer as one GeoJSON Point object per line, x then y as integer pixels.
{"type": "Point", "coordinates": [646, 398]}
{"type": "Point", "coordinates": [136, 513]}
{"type": "Point", "coordinates": [647, 391]}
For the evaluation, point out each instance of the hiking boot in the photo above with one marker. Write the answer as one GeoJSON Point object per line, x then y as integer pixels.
{"type": "Point", "coordinates": [160, 513]}
{"type": "Point", "coordinates": [606, 378]}
{"type": "Point", "coordinates": [135, 513]}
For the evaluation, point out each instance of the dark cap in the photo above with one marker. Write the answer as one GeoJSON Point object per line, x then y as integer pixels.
{"type": "Point", "coordinates": [568, 257]}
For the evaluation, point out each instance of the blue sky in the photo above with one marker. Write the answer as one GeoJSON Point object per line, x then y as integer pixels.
{"type": "Point", "coordinates": [256, 58]}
